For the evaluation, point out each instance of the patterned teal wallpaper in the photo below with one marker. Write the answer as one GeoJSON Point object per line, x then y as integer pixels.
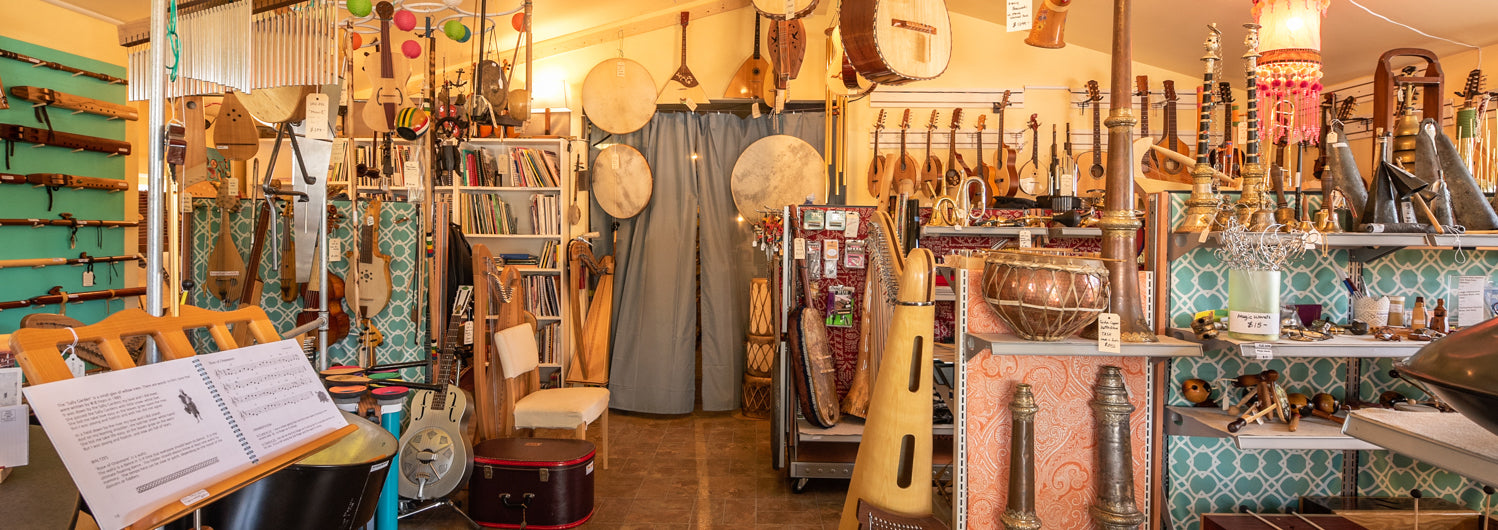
{"type": "Point", "coordinates": [1212, 475]}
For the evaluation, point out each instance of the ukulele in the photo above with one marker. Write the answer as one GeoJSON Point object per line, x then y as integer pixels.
{"type": "Point", "coordinates": [931, 175]}
{"type": "Point", "coordinates": [953, 176]}
{"type": "Point", "coordinates": [1006, 156]}
{"type": "Point", "coordinates": [1092, 183]}
{"type": "Point", "coordinates": [1167, 167]}
{"type": "Point", "coordinates": [999, 183]}
{"type": "Point", "coordinates": [387, 84]}
{"type": "Point", "coordinates": [1227, 158]}
{"type": "Point", "coordinates": [372, 266]}
{"type": "Point", "coordinates": [683, 87]}
{"type": "Point", "coordinates": [287, 272]}
{"type": "Point", "coordinates": [905, 167]}
{"type": "Point", "coordinates": [753, 77]}
{"type": "Point", "coordinates": [876, 166]}
{"type": "Point", "coordinates": [1033, 179]}
{"type": "Point", "coordinates": [436, 452]}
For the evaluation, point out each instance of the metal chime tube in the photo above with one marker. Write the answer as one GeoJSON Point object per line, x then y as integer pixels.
{"type": "Point", "coordinates": [1251, 198]}
{"type": "Point", "coordinates": [1115, 509]}
{"type": "Point", "coordinates": [1119, 225]}
{"type": "Point", "coordinates": [1020, 514]}
{"type": "Point", "coordinates": [1201, 208]}
{"type": "Point", "coordinates": [156, 168]}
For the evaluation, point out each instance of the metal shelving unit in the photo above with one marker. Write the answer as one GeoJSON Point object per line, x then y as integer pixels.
{"type": "Point", "coordinates": [1313, 433]}
{"type": "Point", "coordinates": [1446, 440]}
{"type": "Point", "coordinates": [1341, 346]}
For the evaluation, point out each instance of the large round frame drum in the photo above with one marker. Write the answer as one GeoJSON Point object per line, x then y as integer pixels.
{"type": "Point", "coordinates": [1044, 296]}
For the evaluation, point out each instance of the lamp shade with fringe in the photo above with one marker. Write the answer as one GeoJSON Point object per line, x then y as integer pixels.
{"type": "Point", "coordinates": [1290, 66]}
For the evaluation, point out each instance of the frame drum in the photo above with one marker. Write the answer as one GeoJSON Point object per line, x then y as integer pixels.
{"type": "Point", "coordinates": [775, 171]}
{"type": "Point", "coordinates": [619, 95]}
{"type": "Point", "coordinates": [621, 181]}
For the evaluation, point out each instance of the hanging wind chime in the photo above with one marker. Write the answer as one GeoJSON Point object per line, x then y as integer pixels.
{"type": "Point", "coordinates": [1290, 66]}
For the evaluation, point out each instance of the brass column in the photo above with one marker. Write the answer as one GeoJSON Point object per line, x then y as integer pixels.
{"type": "Point", "coordinates": [1020, 514]}
{"type": "Point", "coordinates": [1201, 208]}
{"type": "Point", "coordinates": [1251, 199]}
{"type": "Point", "coordinates": [1115, 509]}
{"type": "Point", "coordinates": [1119, 224]}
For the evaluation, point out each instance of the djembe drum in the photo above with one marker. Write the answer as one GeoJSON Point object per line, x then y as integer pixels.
{"type": "Point", "coordinates": [1044, 295]}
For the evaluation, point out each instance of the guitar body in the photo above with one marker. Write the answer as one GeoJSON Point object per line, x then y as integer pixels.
{"type": "Point", "coordinates": [372, 267]}
{"type": "Point", "coordinates": [387, 80]}
{"type": "Point", "coordinates": [897, 41]}
{"type": "Point", "coordinates": [906, 169]}
{"type": "Point", "coordinates": [1092, 169]}
{"type": "Point", "coordinates": [1169, 169]}
{"type": "Point", "coordinates": [436, 445]}
{"type": "Point", "coordinates": [776, 9]}
{"type": "Point", "coordinates": [1007, 168]}
{"type": "Point", "coordinates": [999, 182]}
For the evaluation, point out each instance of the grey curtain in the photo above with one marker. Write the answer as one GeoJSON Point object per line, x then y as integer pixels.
{"type": "Point", "coordinates": [691, 220]}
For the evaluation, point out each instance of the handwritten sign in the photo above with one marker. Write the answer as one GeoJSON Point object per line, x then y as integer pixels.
{"type": "Point", "coordinates": [1470, 309]}
{"type": "Point", "coordinates": [1017, 15]}
{"type": "Point", "coordinates": [1253, 323]}
{"type": "Point", "coordinates": [1110, 333]}
{"type": "Point", "coordinates": [1025, 240]}
{"type": "Point", "coordinates": [1261, 351]}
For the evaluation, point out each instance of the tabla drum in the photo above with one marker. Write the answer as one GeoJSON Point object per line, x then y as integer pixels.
{"type": "Point", "coordinates": [619, 95]}
{"type": "Point", "coordinates": [775, 171]}
{"type": "Point", "coordinates": [621, 181]}
{"type": "Point", "coordinates": [756, 396]}
{"type": "Point", "coordinates": [759, 355]}
{"type": "Point", "coordinates": [1044, 296]}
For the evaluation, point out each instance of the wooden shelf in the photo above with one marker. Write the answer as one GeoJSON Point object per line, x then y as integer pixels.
{"type": "Point", "coordinates": [1314, 433]}
{"type": "Point", "coordinates": [1010, 231]}
{"type": "Point", "coordinates": [1077, 346]}
{"type": "Point", "coordinates": [1446, 440]}
{"type": "Point", "coordinates": [515, 236]}
{"type": "Point", "coordinates": [490, 189]}
{"type": "Point", "coordinates": [1338, 346]}
{"type": "Point", "coordinates": [1362, 247]}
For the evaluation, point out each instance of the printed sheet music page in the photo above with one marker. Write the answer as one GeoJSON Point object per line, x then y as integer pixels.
{"type": "Point", "coordinates": [137, 439]}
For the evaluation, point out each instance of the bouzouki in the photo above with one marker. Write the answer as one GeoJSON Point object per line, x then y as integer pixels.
{"type": "Point", "coordinates": [905, 166]}
{"type": "Point", "coordinates": [896, 42]}
{"type": "Point", "coordinates": [876, 166]}
{"type": "Point", "coordinates": [387, 89]}
{"type": "Point", "coordinates": [999, 183]}
{"type": "Point", "coordinates": [954, 176]}
{"type": "Point", "coordinates": [931, 174]}
{"type": "Point", "coordinates": [372, 266]}
{"type": "Point", "coordinates": [1004, 156]}
{"type": "Point", "coordinates": [1090, 182]}
{"type": "Point", "coordinates": [436, 452]}
{"type": "Point", "coordinates": [1033, 178]}
{"type": "Point", "coordinates": [683, 87]}
{"type": "Point", "coordinates": [753, 78]}
{"type": "Point", "coordinates": [1168, 168]}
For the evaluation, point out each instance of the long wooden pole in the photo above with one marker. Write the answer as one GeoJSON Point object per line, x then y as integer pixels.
{"type": "Point", "coordinates": [1119, 224]}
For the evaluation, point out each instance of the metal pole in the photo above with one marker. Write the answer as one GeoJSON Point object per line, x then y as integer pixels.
{"type": "Point", "coordinates": [156, 158]}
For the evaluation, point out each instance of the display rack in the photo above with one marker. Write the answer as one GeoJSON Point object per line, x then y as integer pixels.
{"type": "Point", "coordinates": [1342, 346]}
{"type": "Point", "coordinates": [1361, 247]}
{"type": "Point", "coordinates": [1313, 433]}
{"type": "Point", "coordinates": [1002, 344]}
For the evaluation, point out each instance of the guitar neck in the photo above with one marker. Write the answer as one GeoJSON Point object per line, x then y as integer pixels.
{"type": "Point", "coordinates": [1170, 123]}
{"type": "Point", "coordinates": [1144, 115]}
{"type": "Point", "coordinates": [387, 62]}
{"type": "Point", "coordinates": [366, 243]}
{"type": "Point", "coordinates": [756, 37]}
{"type": "Point", "coordinates": [1097, 130]}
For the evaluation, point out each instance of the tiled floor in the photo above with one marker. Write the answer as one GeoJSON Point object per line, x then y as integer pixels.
{"type": "Point", "coordinates": [704, 470]}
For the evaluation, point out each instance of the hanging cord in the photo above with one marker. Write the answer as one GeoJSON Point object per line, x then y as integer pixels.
{"type": "Point", "coordinates": [1411, 28]}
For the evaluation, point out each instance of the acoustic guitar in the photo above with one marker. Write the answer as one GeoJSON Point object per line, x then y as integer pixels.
{"type": "Point", "coordinates": [905, 167]}
{"type": "Point", "coordinates": [753, 78]}
{"type": "Point", "coordinates": [436, 452]}
{"type": "Point", "coordinates": [784, 9]}
{"type": "Point", "coordinates": [954, 176]}
{"type": "Point", "coordinates": [999, 183]}
{"type": "Point", "coordinates": [1227, 158]}
{"type": "Point", "coordinates": [683, 87]}
{"type": "Point", "coordinates": [387, 89]}
{"type": "Point", "coordinates": [876, 166]}
{"type": "Point", "coordinates": [842, 77]}
{"type": "Point", "coordinates": [1006, 156]}
{"type": "Point", "coordinates": [931, 174]}
{"type": "Point", "coordinates": [1168, 168]}
{"type": "Point", "coordinates": [894, 42]}
{"type": "Point", "coordinates": [372, 266]}
{"type": "Point", "coordinates": [1034, 179]}
{"type": "Point", "coordinates": [1092, 164]}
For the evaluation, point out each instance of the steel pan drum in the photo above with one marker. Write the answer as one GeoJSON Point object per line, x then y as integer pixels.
{"type": "Point", "coordinates": [1044, 296]}
{"type": "Point", "coordinates": [1462, 369]}
{"type": "Point", "coordinates": [333, 489]}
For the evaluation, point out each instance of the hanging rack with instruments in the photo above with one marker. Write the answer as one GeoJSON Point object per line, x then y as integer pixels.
{"type": "Point", "coordinates": [56, 295]}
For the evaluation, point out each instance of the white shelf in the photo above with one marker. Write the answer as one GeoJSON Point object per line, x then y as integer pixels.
{"type": "Point", "coordinates": [1364, 346]}
{"type": "Point", "coordinates": [1010, 231]}
{"type": "Point", "coordinates": [1446, 440]}
{"type": "Point", "coordinates": [1077, 346]}
{"type": "Point", "coordinates": [1313, 433]}
{"type": "Point", "coordinates": [527, 269]}
{"type": "Point", "coordinates": [849, 429]}
{"type": "Point", "coordinates": [514, 236]}
{"type": "Point", "coordinates": [547, 318]}
{"type": "Point", "coordinates": [488, 189]}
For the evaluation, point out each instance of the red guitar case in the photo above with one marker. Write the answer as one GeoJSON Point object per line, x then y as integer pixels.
{"type": "Point", "coordinates": [538, 483]}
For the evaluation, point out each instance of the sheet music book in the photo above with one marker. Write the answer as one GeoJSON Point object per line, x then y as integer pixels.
{"type": "Point", "coordinates": [137, 439]}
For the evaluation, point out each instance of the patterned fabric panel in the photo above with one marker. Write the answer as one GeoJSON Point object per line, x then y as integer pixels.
{"type": "Point", "coordinates": [405, 339]}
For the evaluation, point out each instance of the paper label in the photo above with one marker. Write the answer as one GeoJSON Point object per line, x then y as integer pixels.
{"type": "Point", "coordinates": [317, 116]}
{"type": "Point", "coordinates": [15, 430]}
{"type": "Point", "coordinates": [1017, 15]}
{"type": "Point", "coordinates": [88, 278]}
{"type": "Point", "coordinates": [691, 105]}
{"type": "Point", "coordinates": [411, 170]}
{"type": "Point", "coordinates": [233, 184]}
{"type": "Point", "coordinates": [754, 109]}
{"type": "Point", "coordinates": [335, 248]}
{"type": "Point", "coordinates": [10, 387]}
{"type": "Point", "coordinates": [194, 497]}
{"type": "Point", "coordinates": [829, 268]}
{"type": "Point", "coordinates": [1262, 351]}
{"type": "Point", "coordinates": [1407, 210]}
{"type": "Point", "coordinates": [1253, 323]}
{"type": "Point", "coordinates": [1204, 234]}
{"type": "Point", "coordinates": [830, 249]}
{"type": "Point", "coordinates": [76, 365]}
{"type": "Point", "coordinates": [1110, 333]}
{"type": "Point", "coordinates": [619, 69]}
{"type": "Point", "coordinates": [468, 332]}
{"type": "Point", "coordinates": [1024, 239]}
{"type": "Point", "coordinates": [1470, 309]}
{"type": "Point", "coordinates": [850, 229]}
{"type": "Point", "coordinates": [798, 248]}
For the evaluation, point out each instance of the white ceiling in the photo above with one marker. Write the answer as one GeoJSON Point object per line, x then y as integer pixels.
{"type": "Point", "coordinates": [1168, 33]}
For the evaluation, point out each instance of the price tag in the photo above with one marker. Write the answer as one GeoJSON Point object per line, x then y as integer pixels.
{"type": "Point", "coordinates": [1017, 15]}
{"type": "Point", "coordinates": [1024, 239]}
{"type": "Point", "coordinates": [1253, 323]}
{"type": "Point", "coordinates": [1205, 233]}
{"type": "Point", "coordinates": [88, 278]}
{"type": "Point", "coordinates": [317, 116]}
{"type": "Point", "coordinates": [830, 249]}
{"type": "Point", "coordinates": [1314, 239]}
{"type": "Point", "coordinates": [75, 365]}
{"type": "Point", "coordinates": [850, 228]}
{"type": "Point", "coordinates": [619, 69]}
{"type": "Point", "coordinates": [335, 250]}
{"type": "Point", "coordinates": [1470, 310]}
{"type": "Point", "coordinates": [798, 248]}
{"type": "Point", "coordinates": [468, 332]}
{"type": "Point", "coordinates": [754, 109]}
{"type": "Point", "coordinates": [1262, 351]}
{"type": "Point", "coordinates": [411, 171]}
{"type": "Point", "coordinates": [233, 184]}
{"type": "Point", "coordinates": [1110, 333]}
{"type": "Point", "coordinates": [691, 105]}
{"type": "Point", "coordinates": [1407, 211]}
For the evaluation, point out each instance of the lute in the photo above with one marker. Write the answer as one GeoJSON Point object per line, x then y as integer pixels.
{"type": "Point", "coordinates": [436, 455]}
{"type": "Point", "coordinates": [1033, 177]}
{"type": "Point", "coordinates": [753, 78]}
{"type": "Point", "coordinates": [876, 166]}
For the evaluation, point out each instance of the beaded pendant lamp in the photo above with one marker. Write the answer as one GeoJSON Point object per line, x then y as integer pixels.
{"type": "Point", "coordinates": [1290, 66]}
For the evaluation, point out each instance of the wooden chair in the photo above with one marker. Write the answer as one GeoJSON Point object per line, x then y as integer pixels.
{"type": "Point", "coordinates": [551, 412]}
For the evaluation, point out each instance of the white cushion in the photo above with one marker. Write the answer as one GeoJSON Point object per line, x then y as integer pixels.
{"type": "Point", "coordinates": [516, 349]}
{"type": "Point", "coordinates": [561, 408]}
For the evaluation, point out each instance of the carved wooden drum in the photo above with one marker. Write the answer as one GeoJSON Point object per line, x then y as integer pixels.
{"type": "Point", "coordinates": [619, 95]}
{"type": "Point", "coordinates": [775, 171]}
{"type": "Point", "coordinates": [621, 181]}
{"type": "Point", "coordinates": [761, 314]}
{"type": "Point", "coordinates": [759, 355]}
{"type": "Point", "coordinates": [756, 396]}
{"type": "Point", "coordinates": [1044, 296]}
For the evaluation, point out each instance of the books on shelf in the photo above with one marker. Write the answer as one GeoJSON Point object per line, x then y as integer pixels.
{"type": "Point", "coordinates": [546, 214]}
{"type": "Point", "coordinates": [517, 167]}
{"type": "Point", "coordinates": [549, 341]}
{"type": "Point", "coordinates": [485, 214]}
{"type": "Point", "coordinates": [548, 257]}
{"type": "Point", "coordinates": [541, 296]}
{"type": "Point", "coordinates": [533, 168]}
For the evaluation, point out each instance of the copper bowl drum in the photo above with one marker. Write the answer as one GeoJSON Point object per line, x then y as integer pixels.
{"type": "Point", "coordinates": [1462, 369]}
{"type": "Point", "coordinates": [1044, 296]}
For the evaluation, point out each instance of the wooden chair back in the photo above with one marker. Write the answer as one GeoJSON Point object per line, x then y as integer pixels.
{"type": "Point", "coordinates": [494, 393]}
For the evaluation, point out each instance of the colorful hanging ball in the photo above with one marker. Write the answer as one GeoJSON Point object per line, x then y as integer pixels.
{"type": "Point", "coordinates": [453, 29]}
{"type": "Point", "coordinates": [405, 20]}
{"type": "Point", "coordinates": [411, 48]}
{"type": "Point", "coordinates": [518, 22]}
{"type": "Point", "coordinates": [411, 123]}
{"type": "Point", "coordinates": [359, 8]}
{"type": "Point", "coordinates": [355, 41]}
{"type": "Point", "coordinates": [467, 34]}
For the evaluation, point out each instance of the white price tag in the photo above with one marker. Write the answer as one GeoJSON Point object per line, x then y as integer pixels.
{"type": "Point", "coordinates": [691, 105]}
{"type": "Point", "coordinates": [1407, 212]}
{"type": "Point", "coordinates": [1470, 310]}
{"type": "Point", "coordinates": [1314, 239]}
{"type": "Point", "coordinates": [1253, 323]}
{"type": "Point", "coordinates": [75, 365]}
{"type": "Point", "coordinates": [233, 184]}
{"type": "Point", "coordinates": [88, 278]}
{"type": "Point", "coordinates": [850, 225]}
{"type": "Point", "coordinates": [335, 250]}
{"type": "Point", "coordinates": [1262, 351]}
{"type": "Point", "coordinates": [1205, 233]}
{"type": "Point", "coordinates": [1024, 239]}
{"type": "Point", "coordinates": [317, 116]}
{"type": "Point", "coordinates": [829, 268]}
{"type": "Point", "coordinates": [619, 69]}
{"type": "Point", "coordinates": [1017, 15]}
{"type": "Point", "coordinates": [468, 332]}
{"type": "Point", "coordinates": [798, 248]}
{"type": "Point", "coordinates": [411, 170]}
{"type": "Point", "coordinates": [754, 109]}
{"type": "Point", "coordinates": [1110, 333]}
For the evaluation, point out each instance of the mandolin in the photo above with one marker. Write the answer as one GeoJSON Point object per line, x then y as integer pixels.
{"type": "Point", "coordinates": [372, 266]}
{"type": "Point", "coordinates": [876, 166]}
{"type": "Point", "coordinates": [387, 83]}
{"type": "Point", "coordinates": [683, 87]}
{"type": "Point", "coordinates": [954, 176]}
{"type": "Point", "coordinates": [784, 9]}
{"type": "Point", "coordinates": [931, 174]}
{"type": "Point", "coordinates": [1227, 158]}
{"type": "Point", "coordinates": [1034, 179]}
{"type": "Point", "coordinates": [999, 182]}
{"type": "Point", "coordinates": [894, 42]}
{"type": "Point", "coordinates": [1168, 168]}
{"type": "Point", "coordinates": [1092, 165]}
{"type": "Point", "coordinates": [1006, 156]}
{"type": "Point", "coordinates": [753, 78]}
{"type": "Point", "coordinates": [905, 166]}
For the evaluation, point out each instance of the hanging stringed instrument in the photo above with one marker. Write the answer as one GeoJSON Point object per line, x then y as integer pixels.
{"type": "Point", "coordinates": [387, 83]}
{"type": "Point", "coordinates": [338, 319]}
{"type": "Point", "coordinates": [931, 174]}
{"type": "Point", "coordinates": [249, 294]}
{"type": "Point", "coordinates": [1342, 113]}
{"type": "Point", "coordinates": [1227, 157]}
{"type": "Point", "coordinates": [1142, 89]}
{"type": "Point", "coordinates": [906, 169]}
{"type": "Point", "coordinates": [842, 77]}
{"type": "Point", "coordinates": [286, 273]}
{"type": "Point", "coordinates": [753, 78]}
{"type": "Point", "coordinates": [683, 87]}
{"type": "Point", "coordinates": [1034, 178]}
{"type": "Point", "coordinates": [372, 266]}
{"type": "Point", "coordinates": [896, 42]}
{"type": "Point", "coordinates": [235, 138]}
{"type": "Point", "coordinates": [1092, 165]}
{"type": "Point", "coordinates": [1168, 168]}
{"type": "Point", "coordinates": [953, 175]}
{"type": "Point", "coordinates": [876, 166]}
{"type": "Point", "coordinates": [1005, 157]}
{"type": "Point", "coordinates": [784, 9]}
{"type": "Point", "coordinates": [999, 182]}
{"type": "Point", "coordinates": [788, 46]}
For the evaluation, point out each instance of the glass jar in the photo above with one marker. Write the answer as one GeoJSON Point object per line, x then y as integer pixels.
{"type": "Point", "coordinates": [1254, 304]}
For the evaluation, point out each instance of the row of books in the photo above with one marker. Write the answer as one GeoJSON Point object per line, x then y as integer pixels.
{"type": "Point", "coordinates": [548, 257]}
{"type": "Point", "coordinates": [485, 214]}
{"type": "Point", "coordinates": [535, 168]}
{"type": "Point", "coordinates": [542, 295]}
{"type": "Point", "coordinates": [546, 214]}
{"type": "Point", "coordinates": [549, 342]}
{"type": "Point", "coordinates": [522, 167]}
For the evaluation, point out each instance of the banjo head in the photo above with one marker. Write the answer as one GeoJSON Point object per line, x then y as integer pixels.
{"type": "Point", "coordinates": [619, 95]}
{"type": "Point", "coordinates": [775, 171]}
{"type": "Point", "coordinates": [621, 181]}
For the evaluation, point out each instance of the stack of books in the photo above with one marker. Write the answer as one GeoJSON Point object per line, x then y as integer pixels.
{"type": "Point", "coordinates": [546, 214]}
{"type": "Point", "coordinates": [541, 295]}
{"type": "Point", "coordinates": [533, 168]}
{"type": "Point", "coordinates": [485, 214]}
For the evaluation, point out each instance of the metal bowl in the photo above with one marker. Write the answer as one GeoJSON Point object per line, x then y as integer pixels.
{"type": "Point", "coordinates": [1462, 369]}
{"type": "Point", "coordinates": [1044, 296]}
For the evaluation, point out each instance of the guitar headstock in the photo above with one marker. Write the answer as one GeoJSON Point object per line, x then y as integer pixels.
{"type": "Point", "coordinates": [982, 122]}
{"type": "Point", "coordinates": [1348, 106]}
{"type": "Point", "coordinates": [1473, 87]}
{"type": "Point", "coordinates": [956, 118]}
{"type": "Point", "coordinates": [1004, 103]}
{"type": "Point", "coordinates": [932, 123]}
{"type": "Point", "coordinates": [1170, 90]}
{"type": "Point", "coordinates": [385, 10]}
{"type": "Point", "coordinates": [879, 124]}
{"type": "Point", "coordinates": [905, 120]}
{"type": "Point", "coordinates": [1225, 92]}
{"type": "Point", "coordinates": [1034, 123]}
{"type": "Point", "coordinates": [1093, 93]}
{"type": "Point", "coordinates": [1142, 85]}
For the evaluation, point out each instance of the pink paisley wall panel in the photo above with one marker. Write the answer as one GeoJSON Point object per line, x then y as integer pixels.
{"type": "Point", "coordinates": [1065, 433]}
